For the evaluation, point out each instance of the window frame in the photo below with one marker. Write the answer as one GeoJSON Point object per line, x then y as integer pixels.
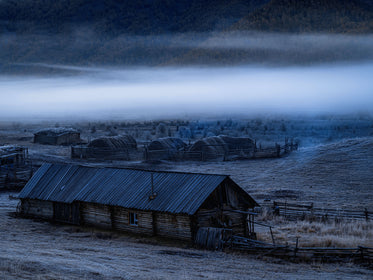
{"type": "Point", "coordinates": [133, 219]}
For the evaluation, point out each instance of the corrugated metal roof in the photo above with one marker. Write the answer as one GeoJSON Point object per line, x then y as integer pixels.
{"type": "Point", "coordinates": [176, 192]}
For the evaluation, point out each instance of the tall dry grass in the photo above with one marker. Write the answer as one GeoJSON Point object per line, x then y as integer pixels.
{"type": "Point", "coordinates": [332, 233]}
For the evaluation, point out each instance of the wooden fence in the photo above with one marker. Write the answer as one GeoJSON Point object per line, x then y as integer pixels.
{"type": "Point", "coordinates": [84, 152]}
{"type": "Point", "coordinates": [360, 254]}
{"type": "Point", "coordinates": [210, 153]}
{"type": "Point", "coordinates": [15, 177]}
{"type": "Point", "coordinates": [294, 211]}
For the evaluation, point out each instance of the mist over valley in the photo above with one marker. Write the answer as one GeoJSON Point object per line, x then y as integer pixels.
{"type": "Point", "coordinates": [104, 103]}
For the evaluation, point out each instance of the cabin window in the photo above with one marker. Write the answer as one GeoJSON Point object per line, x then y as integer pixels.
{"type": "Point", "coordinates": [133, 219]}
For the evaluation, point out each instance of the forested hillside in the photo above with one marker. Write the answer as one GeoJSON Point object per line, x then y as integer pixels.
{"type": "Point", "coordinates": [130, 17]}
{"type": "Point", "coordinates": [114, 17]}
{"type": "Point", "coordinates": [336, 16]}
{"type": "Point", "coordinates": [183, 32]}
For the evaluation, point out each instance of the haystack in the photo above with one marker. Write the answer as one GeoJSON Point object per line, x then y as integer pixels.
{"type": "Point", "coordinates": [238, 143]}
{"type": "Point", "coordinates": [117, 147]}
{"type": "Point", "coordinates": [165, 148]}
{"type": "Point", "coordinates": [208, 148]}
{"type": "Point", "coordinates": [220, 146]}
{"type": "Point", "coordinates": [114, 143]}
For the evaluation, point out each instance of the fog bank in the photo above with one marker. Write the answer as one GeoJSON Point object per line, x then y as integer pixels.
{"type": "Point", "coordinates": [135, 93]}
{"type": "Point", "coordinates": [85, 47]}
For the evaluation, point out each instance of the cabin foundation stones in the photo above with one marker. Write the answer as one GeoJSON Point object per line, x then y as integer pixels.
{"type": "Point", "coordinates": [167, 204]}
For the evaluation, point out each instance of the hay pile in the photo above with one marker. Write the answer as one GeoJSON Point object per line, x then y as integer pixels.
{"type": "Point", "coordinates": [121, 142]}
{"type": "Point", "coordinates": [165, 148]}
{"type": "Point", "coordinates": [238, 143]}
{"type": "Point", "coordinates": [220, 146]}
{"type": "Point", "coordinates": [167, 143]}
{"type": "Point", "coordinates": [208, 148]}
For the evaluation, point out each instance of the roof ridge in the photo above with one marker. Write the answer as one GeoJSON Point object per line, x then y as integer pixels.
{"type": "Point", "coordinates": [146, 170]}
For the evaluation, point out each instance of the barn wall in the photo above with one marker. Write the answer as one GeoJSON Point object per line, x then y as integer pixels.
{"type": "Point", "coordinates": [64, 139]}
{"type": "Point", "coordinates": [222, 219]}
{"type": "Point", "coordinates": [220, 210]}
{"type": "Point", "coordinates": [121, 221]}
{"type": "Point", "coordinates": [95, 215]}
{"type": "Point", "coordinates": [44, 139]}
{"type": "Point", "coordinates": [173, 226]}
{"type": "Point", "coordinates": [68, 138]}
{"type": "Point", "coordinates": [38, 208]}
{"type": "Point", "coordinates": [66, 212]}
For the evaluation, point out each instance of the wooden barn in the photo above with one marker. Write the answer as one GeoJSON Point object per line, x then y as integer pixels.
{"type": "Point", "coordinates": [168, 148]}
{"type": "Point", "coordinates": [57, 136]}
{"type": "Point", "coordinates": [168, 204]}
{"type": "Point", "coordinates": [115, 147]}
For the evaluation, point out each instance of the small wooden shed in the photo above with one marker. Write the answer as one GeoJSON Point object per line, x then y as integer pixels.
{"type": "Point", "coordinates": [57, 136]}
{"type": "Point", "coordinates": [168, 204]}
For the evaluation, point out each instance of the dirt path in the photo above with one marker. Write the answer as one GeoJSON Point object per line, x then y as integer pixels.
{"type": "Point", "coordinates": [40, 250]}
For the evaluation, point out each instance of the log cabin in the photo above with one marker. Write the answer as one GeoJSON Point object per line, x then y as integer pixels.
{"type": "Point", "coordinates": [167, 204]}
{"type": "Point", "coordinates": [57, 136]}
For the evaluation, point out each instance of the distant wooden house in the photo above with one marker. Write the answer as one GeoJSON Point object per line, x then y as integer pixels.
{"type": "Point", "coordinates": [15, 171]}
{"type": "Point", "coordinates": [57, 136]}
{"type": "Point", "coordinates": [114, 147]}
{"type": "Point", "coordinates": [168, 148]}
{"type": "Point", "coordinates": [168, 204]}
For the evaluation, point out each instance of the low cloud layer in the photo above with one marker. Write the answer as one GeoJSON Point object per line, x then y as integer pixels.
{"type": "Point", "coordinates": [177, 92]}
{"type": "Point", "coordinates": [84, 47]}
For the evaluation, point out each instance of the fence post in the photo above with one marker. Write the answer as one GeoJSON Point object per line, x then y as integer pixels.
{"type": "Point", "coordinates": [296, 247]}
{"type": "Point", "coordinates": [366, 214]}
{"type": "Point", "coordinates": [285, 210]}
{"type": "Point", "coordinates": [273, 239]}
{"type": "Point", "coordinates": [276, 208]}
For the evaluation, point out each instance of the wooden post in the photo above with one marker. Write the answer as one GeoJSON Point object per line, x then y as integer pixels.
{"type": "Point", "coordinates": [273, 240]}
{"type": "Point", "coordinates": [296, 247]}
{"type": "Point", "coordinates": [285, 210]}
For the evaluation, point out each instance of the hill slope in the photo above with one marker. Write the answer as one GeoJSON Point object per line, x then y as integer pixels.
{"type": "Point", "coordinates": [184, 32]}
{"type": "Point", "coordinates": [336, 16]}
{"type": "Point", "coordinates": [158, 17]}
{"type": "Point", "coordinates": [130, 17]}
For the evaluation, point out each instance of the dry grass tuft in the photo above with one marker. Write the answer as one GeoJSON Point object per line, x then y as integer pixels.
{"type": "Point", "coordinates": [342, 233]}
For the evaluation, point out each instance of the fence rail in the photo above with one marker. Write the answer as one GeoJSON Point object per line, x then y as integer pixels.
{"type": "Point", "coordinates": [360, 254]}
{"type": "Point", "coordinates": [293, 211]}
{"type": "Point", "coordinates": [209, 152]}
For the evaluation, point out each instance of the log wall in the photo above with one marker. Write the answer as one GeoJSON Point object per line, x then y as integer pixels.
{"type": "Point", "coordinates": [96, 215]}
{"type": "Point", "coordinates": [120, 221]}
{"type": "Point", "coordinates": [65, 139]}
{"type": "Point", "coordinates": [173, 226]}
{"type": "Point", "coordinates": [222, 219]}
{"type": "Point", "coordinates": [39, 208]}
